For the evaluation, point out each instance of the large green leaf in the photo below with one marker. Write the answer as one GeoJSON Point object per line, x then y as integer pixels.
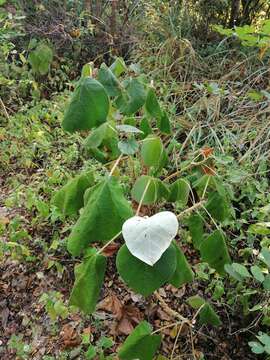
{"type": "Point", "coordinates": [69, 199]}
{"type": "Point", "coordinates": [133, 97]}
{"type": "Point", "coordinates": [214, 251]}
{"type": "Point", "coordinates": [183, 273]}
{"type": "Point", "coordinates": [140, 344]}
{"type": "Point", "coordinates": [145, 127]}
{"type": "Point", "coordinates": [163, 123]}
{"type": "Point", "coordinates": [110, 82]}
{"type": "Point", "coordinates": [152, 105]}
{"type": "Point", "coordinates": [88, 108]}
{"type": "Point", "coordinates": [149, 190]}
{"type": "Point", "coordinates": [143, 278]}
{"type": "Point", "coordinates": [89, 277]}
{"type": "Point", "coordinates": [217, 206]}
{"type": "Point", "coordinates": [179, 191]}
{"type": "Point", "coordinates": [207, 314]}
{"type": "Point", "coordinates": [195, 226]}
{"type": "Point", "coordinates": [102, 217]}
{"type": "Point", "coordinates": [152, 150]}
{"type": "Point", "coordinates": [118, 67]}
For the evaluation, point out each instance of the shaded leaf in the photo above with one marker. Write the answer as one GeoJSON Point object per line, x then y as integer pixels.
{"type": "Point", "coordinates": [183, 273]}
{"type": "Point", "coordinates": [195, 226]}
{"type": "Point", "coordinates": [88, 282]}
{"type": "Point", "coordinates": [102, 217]}
{"type": "Point", "coordinates": [69, 199]}
{"type": "Point", "coordinates": [179, 192]}
{"type": "Point", "coordinates": [88, 108]}
{"type": "Point", "coordinates": [110, 82]}
{"type": "Point", "coordinates": [140, 344]}
{"type": "Point", "coordinates": [143, 278]}
{"type": "Point", "coordinates": [214, 251]}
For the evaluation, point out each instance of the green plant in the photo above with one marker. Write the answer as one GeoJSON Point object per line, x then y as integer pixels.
{"type": "Point", "coordinates": [250, 35]}
{"type": "Point", "coordinates": [261, 346]}
{"type": "Point", "coordinates": [103, 344]}
{"type": "Point", "coordinates": [21, 348]}
{"type": "Point", "coordinates": [54, 305]}
{"type": "Point", "coordinates": [120, 106]}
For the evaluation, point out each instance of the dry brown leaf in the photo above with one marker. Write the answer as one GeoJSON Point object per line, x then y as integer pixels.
{"type": "Point", "coordinates": [126, 316]}
{"type": "Point", "coordinates": [112, 304]}
{"type": "Point", "coordinates": [110, 250]}
{"type": "Point", "coordinates": [69, 337]}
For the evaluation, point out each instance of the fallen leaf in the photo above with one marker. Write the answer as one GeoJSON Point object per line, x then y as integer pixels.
{"type": "Point", "coordinates": [131, 316]}
{"type": "Point", "coordinates": [4, 317]}
{"type": "Point", "coordinates": [69, 337]}
{"type": "Point", "coordinates": [126, 316]}
{"type": "Point", "coordinates": [110, 250]}
{"type": "Point", "coordinates": [112, 304]}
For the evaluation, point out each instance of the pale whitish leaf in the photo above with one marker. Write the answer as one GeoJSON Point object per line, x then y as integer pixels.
{"type": "Point", "coordinates": [128, 129]}
{"type": "Point", "coordinates": [256, 347]}
{"type": "Point", "coordinates": [148, 238]}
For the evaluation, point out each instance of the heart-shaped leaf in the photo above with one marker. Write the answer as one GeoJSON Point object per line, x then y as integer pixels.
{"type": "Point", "coordinates": [88, 281]}
{"type": "Point", "coordinates": [149, 190]}
{"type": "Point", "coordinates": [88, 108]}
{"type": "Point", "coordinates": [128, 147]}
{"type": "Point", "coordinates": [102, 218]}
{"type": "Point", "coordinates": [179, 191]}
{"type": "Point", "coordinates": [143, 278]}
{"type": "Point", "coordinates": [152, 150]}
{"type": "Point", "coordinates": [148, 238]}
{"type": "Point", "coordinates": [140, 344]}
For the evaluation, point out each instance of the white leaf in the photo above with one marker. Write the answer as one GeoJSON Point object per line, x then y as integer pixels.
{"type": "Point", "coordinates": [148, 238]}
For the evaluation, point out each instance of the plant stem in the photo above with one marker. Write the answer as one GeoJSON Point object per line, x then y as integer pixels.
{"type": "Point", "coordinates": [192, 164]}
{"type": "Point", "coordinates": [191, 209]}
{"type": "Point", "coordinates": [143, 195]}
{"type": "Point", "coordinates": [166, 327]}
{"type": "Point", "coordinates": [115, 165]}
{"type": "Point", "coordinates": [109, 242]}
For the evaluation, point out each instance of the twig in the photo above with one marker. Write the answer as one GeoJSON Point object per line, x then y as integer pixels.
{"type": "Point", "coordinates": [191, 209]}
{"type": "Point", "coordinates": [109, 242]}
{"type": "Point", "coordinates": [115, 165]}
{"type": "Point", "coordinates": [143, 195]}
{"type": "Point", "coordinates": [166, 327]}
{"type": "Point", "coordinates": [176, 340]}
{"type": "Point", "coordinates": [4, 109]}
{"type": "Point", "coordinates": [170, 311]}
{"type": "Point", "coordinates": [192, 164]}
